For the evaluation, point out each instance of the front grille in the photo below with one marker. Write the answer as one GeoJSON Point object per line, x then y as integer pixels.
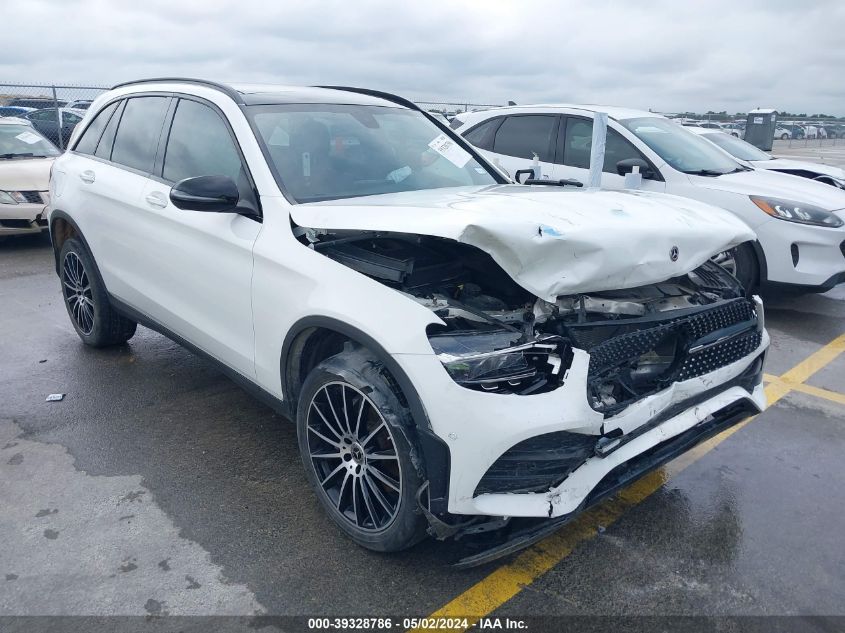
{"type": "Point", "coordinates": [16, 224]}
{"type": "Point", "coordinates": [719, 355]}
{"type": "Point", "coordinates": [631, 365]}
{"type": "Point", "coordinates": [32, 196]}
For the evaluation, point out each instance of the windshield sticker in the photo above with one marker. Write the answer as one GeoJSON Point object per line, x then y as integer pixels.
{"type": "Point", "coordinates": [30, 138]}
{"type": "Point", "coordinates": [398, 175]}
{"type": "Point", "coordinates": [450, 150]}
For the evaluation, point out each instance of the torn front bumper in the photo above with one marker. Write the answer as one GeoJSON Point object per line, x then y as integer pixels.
{"type": "Point", "coordinates": [479, 428]}
{"type": "Point", "coordinates": [519, 536]}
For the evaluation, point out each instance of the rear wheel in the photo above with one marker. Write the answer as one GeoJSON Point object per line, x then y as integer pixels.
{"type": "Point", "coordinates": [783, 137]}
{"type": "Point", "coordinates": [86, 300]}
{"type": "Point", "coordinates": [353, 429]}
{"type": "Point", "coordinates": [741, 262]}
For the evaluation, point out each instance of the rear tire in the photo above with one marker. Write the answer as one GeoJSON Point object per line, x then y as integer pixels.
{"type": "Point", "coordinates": [95, 320]}
{"type": "Point", "coordinates": [353, 428]}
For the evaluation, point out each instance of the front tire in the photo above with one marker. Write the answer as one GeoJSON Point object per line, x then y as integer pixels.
{"type": "Point", "coordinates": [783, 137]}
{"type": "Point", "coordinates": [741, 262]}
{"type": "Point", "coordinates": [94, 319]}
{"type": "Point", "coordinates": [353, 430]}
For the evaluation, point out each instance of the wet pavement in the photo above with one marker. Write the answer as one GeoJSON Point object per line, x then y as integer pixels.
{"type": "Point", "coordinates": [158, 486]}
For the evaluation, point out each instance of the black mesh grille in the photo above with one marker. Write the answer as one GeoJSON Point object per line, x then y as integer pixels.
{"type": "Point", "coordinates": [631, 345]}
{"type": "Point", "coordinates": [32, 196]}
{"type": "Point", "coordinates": [719, 355]}
{"type": "Point", "coordinates": [631, 365]}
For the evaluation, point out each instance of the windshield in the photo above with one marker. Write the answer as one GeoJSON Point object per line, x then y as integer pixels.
{"type": "Point", "coordinates": [21, 141]}
{"type": "Point", "coordinates": [327, 151]}
{"type": "Point", "coordinates": [681, 148]}
{"type": "Point", "coordinates": [737, 147]}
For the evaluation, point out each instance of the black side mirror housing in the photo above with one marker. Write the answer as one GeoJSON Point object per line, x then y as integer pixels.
{"type": "Point", "coordinates": [524, 172]}
{"type": "Point", "coordinates": [214, 194]}
{"type": "Point", "coordinates": [626, 166]}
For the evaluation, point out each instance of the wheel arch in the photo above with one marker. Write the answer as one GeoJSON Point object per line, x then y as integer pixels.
{"type": "Point", "coordinates": [62, 228]}
{"type": "Point", "coordinates": [313, 339]}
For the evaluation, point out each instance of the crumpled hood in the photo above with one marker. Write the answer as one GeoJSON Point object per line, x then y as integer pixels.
{"type": "Point", "coordinates": [551, 242]}
{"type": "Point", "coordinates": [25, 174]}
{"type": "Point", "coordinates": [764, 182]}
{"type": "Point", "coordinates": [787, 163]}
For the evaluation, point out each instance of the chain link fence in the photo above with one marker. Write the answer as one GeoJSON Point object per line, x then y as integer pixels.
{"type": "Point", "coordinates": [55, 110]}
{"type": "Point", "coordinates": [52, 110]}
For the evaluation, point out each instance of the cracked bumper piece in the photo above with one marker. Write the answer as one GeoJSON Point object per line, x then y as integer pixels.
{"type": "Point", "coordinates": [518, 538]}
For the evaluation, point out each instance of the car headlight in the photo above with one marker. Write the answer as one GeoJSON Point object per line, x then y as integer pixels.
{"type": "Point", "coordinates": [797, 212]}
{"type": "Point", "coordinates": [12, 197]}
{"type": "Point", "coordinates": [495, 361]}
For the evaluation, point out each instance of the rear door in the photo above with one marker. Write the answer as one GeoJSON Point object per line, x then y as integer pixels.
{"type": "Point", "coordinates": [575, 140]}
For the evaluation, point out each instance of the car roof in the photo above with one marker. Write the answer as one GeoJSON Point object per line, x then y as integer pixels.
{"type": "Point", "coordinates": [266, 94]}
{"type": "Point", "coordinates": [704, 130]}
{"type": "Point", "coordinates": [9, 120]}
{"type": "Point", "coordinates": [614, 112]}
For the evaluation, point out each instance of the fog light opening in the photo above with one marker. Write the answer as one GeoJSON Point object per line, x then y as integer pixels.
{"type": "Point", "coordinates": [795, 255]}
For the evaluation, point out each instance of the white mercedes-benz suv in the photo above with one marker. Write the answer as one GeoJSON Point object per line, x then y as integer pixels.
{"type": "Point", "coordinates": [460, 352]}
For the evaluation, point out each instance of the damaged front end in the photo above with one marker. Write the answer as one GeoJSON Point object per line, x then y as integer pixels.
{"type": "Point", "coordinates": [494, 336]}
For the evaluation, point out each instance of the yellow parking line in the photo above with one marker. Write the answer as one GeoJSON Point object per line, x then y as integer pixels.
{"type": "Point", "coordinates": [507, 581]}
{"type": "Point", "coordinates": [806, 368]}
{"type": "Point", "coordinates": [818, 392]}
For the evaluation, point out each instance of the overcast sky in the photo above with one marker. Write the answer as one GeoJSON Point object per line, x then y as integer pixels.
{"type": "Point", "coordinates": [666, 55]}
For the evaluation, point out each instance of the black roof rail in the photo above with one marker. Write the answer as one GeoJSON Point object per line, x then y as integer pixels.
{"type": "Point", "coordinates": [387, 96]}
{"type": "Point", "coordinates": [227, 90]}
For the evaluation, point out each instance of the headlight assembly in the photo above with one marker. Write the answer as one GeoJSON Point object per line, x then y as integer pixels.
{"type": "Point", "coordinates": [496, 362]}
{"type": "Point", "coordinates": [12, 197]}
{"type": "Point", "coordinates": [797, 212]}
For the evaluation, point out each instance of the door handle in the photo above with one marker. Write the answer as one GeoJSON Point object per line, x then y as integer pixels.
{"type": "Point", "coordinates": [156, 199]}
{"type": "Point", "coordinates": [87, 176]}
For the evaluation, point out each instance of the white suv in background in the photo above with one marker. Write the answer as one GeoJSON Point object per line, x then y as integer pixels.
{"type": "Point", "coordinates": [800, 224]}
{"type": "Point", "coordinates": [457, 350]}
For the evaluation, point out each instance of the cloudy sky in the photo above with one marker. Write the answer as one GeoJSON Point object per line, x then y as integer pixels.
{"type": "Point", "coordinates": [666, 55]}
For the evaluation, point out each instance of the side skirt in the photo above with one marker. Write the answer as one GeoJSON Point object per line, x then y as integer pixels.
{"type": "Point", "coordinates": [279, 406]}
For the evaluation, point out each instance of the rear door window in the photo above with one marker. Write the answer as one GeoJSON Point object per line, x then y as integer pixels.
{"type": "Point", "coordinates": [482, 135]}
{"type": "Point", "coordinates": [104, 146]}
{"type": "Point", "coordinates": [138, 134]}
{"type": "Point", "coordinates": [525, 135]}
{"type": "Point", "coordinates": [87, 143]}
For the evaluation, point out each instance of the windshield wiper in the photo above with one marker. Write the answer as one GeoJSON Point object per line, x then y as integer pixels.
{"type": "Point", "coordinates": [10, 155]}
{"type": "Point", "coordinates": [705, 172]}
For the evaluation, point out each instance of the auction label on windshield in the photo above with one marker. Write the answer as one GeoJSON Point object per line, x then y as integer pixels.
{"type": "Point", "coordinates": [28, 137]}
{"type": "Point", "coordinates": [450, 150]}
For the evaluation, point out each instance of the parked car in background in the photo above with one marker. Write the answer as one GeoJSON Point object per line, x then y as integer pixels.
{"type": "Point", "coordinates": [800, 224]}
{"type": "Point", "coordinates": [36, 102]}
{"type": "Point", "coordinates": [756, 157]}
{"type": "Point", "coordinates": [15, 111]}
{"type": "Point", "coordinates": [795, 131]}
{"type": "Point", "coordinates": [711, 125]}
{"type": "Point", "coordinates": [734, 129]}
{"type": "Point", "coordinates": [834, 130]}
{"type": "Point", "coordinates": [81, 104]}
{"type": "Point", "coordinates": [25, 160]}
{"type": "Point", "coordinates": [46, 122]}
{"type": "Point", "coordinates": [782, 133]}
{"type": "Point", "coordinates": [427, 323]}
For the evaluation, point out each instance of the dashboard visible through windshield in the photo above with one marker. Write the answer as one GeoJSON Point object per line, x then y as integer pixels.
{"type": "Point", "coordinates": [327, 151]}
{"type": "Point", "coordinates": [680, 148]}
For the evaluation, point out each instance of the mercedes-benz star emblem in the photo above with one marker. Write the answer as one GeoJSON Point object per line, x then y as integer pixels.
{"type": "Point", "coordinates": [673, 254]}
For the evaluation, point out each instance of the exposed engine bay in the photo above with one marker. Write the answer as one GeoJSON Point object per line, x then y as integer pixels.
{"type": "Point", "coordinates": [498, 337]}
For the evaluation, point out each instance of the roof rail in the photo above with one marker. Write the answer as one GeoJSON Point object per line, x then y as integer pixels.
{"type": "Point", "coordinates": [387, 96]}
{"type": "Point", "coordinates": [227, 90]}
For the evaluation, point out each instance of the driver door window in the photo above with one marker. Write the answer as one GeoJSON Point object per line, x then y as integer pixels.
{"type": "Point", "coordinates": [575, 141]}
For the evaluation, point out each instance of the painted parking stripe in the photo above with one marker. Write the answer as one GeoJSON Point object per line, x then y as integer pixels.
{"type": "Point", "coordinates": [507, 581]}
{"type": "Point", "coordinates": [818, 392]}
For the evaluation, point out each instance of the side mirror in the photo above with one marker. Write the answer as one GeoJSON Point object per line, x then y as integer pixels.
{"type": "Point", "coordinates": [626, 166]}
{"type": "Point", "coordinates": [529, 173]}
{"type": "Point", "coordinates": [215, 194]}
